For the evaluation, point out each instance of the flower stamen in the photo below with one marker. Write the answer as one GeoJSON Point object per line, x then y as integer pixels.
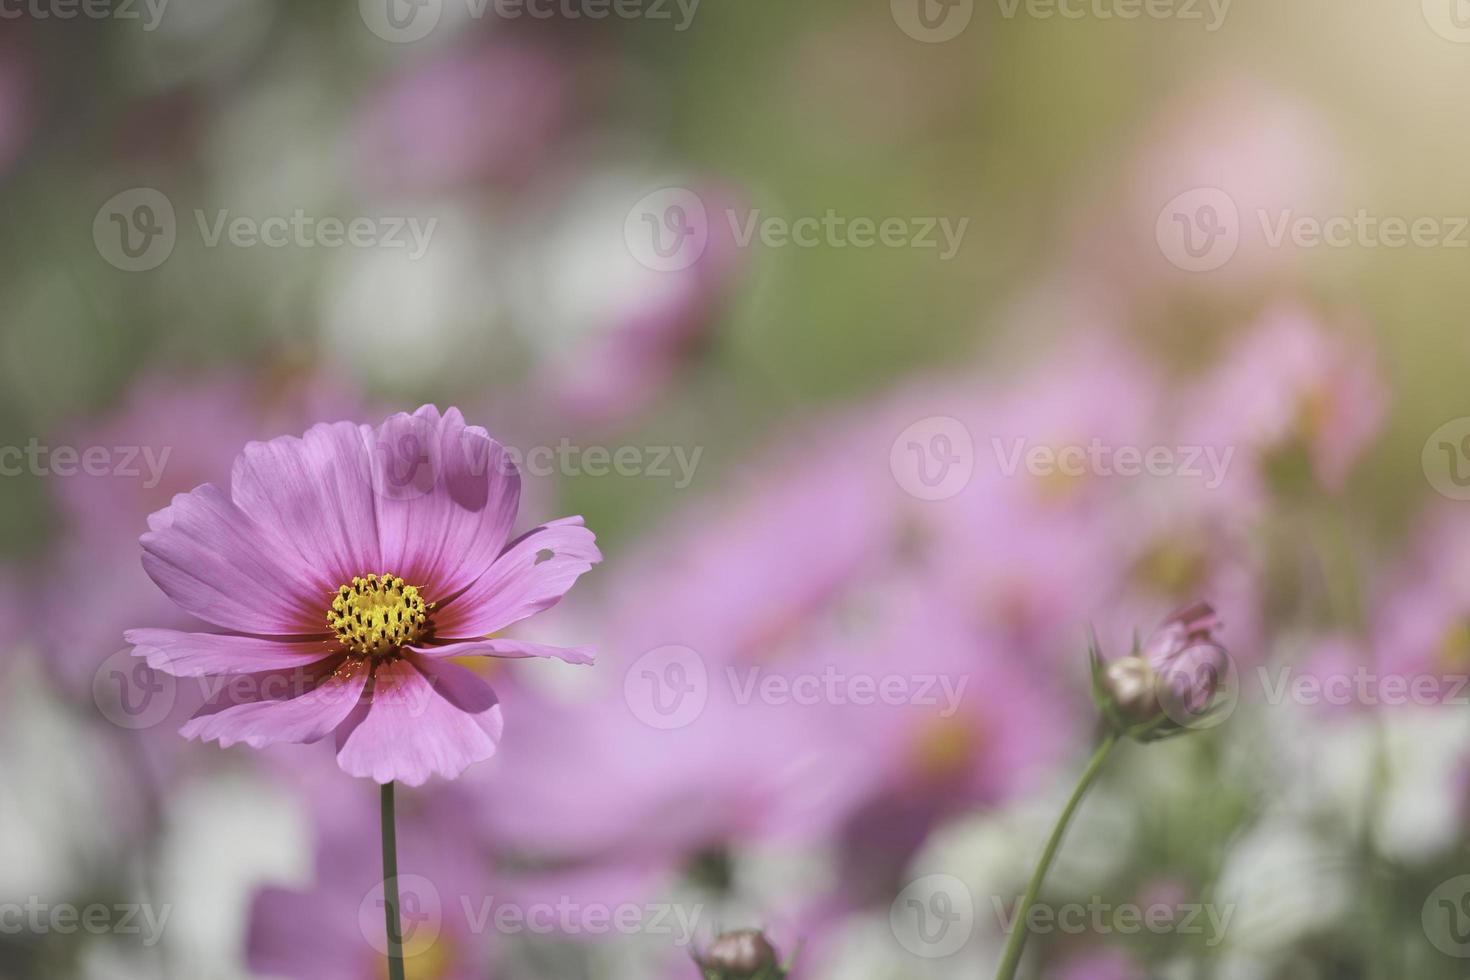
{"type": "Point", "coordinates": [375, 615]}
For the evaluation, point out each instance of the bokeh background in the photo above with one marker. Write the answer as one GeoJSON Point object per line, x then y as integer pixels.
{"type": "Point", "coordinates": [888, 348]}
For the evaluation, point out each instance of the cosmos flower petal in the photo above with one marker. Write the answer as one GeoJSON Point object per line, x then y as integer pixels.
{"type": "Point", "coordinates": [200, 654]}
{"type": "Point", "coordinates": [509, 649]}
{"type": "Point", "coordinates": [315, 495]}
{"type": "Point", "coordinates": [532, 574]}
{"type": "Point", "coordinates": [211, 559]}
{"type": "Point", "coordinates": [447, 495]}
{"type": "Point", "coordinates": [424, 717]}
{"type": "Point", "coordinates": [301, 705]}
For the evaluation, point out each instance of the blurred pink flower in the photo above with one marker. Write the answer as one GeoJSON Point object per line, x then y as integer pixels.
{"type": "Point", "coordinates": [284, 560]}
{"type": "Point", "coordinates": [1028, 549]}
{"type": "Point", "coordinates": [960, 722]}
{"type": "Point", "coordinates": [169, 435]}
{"type": "Point", "coordinates": [1173, 540]}
{"type": "Point", "coordinates": [741, 584]}
{"type": "Point", "coordinates": [1419, 622]}
{"type": "Point", "coordinates": [486, 110]}
{"type": "Point", "coordinates": [612, 320]}
{"type": "Point", "coordinates": [333, 929]}
{"type": "Point", "coordinates": [1290, 384]}
{"type": "Point", "coordinates": [1245, 151]}
{"type": "Point", "coordinates": [1100, 964]}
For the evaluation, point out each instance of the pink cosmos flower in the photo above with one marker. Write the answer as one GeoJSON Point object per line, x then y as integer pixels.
{"type": "Point", "coordinates": [1291, 384]}
{"type": "Point", "coordinates": [1417, 648]}
{"type": "Point", "coordinates": [331, 929]}
{"type": "Point", "coordinates": [346, 568]}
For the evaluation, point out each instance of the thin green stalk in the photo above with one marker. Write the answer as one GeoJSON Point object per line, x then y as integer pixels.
{"type": "Point", "coordinates": [1017, 941]}
{"type": "Point", "coordinates": [390, 886]}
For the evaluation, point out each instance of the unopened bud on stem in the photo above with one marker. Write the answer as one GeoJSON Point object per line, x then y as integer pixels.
{"type": "Point", "coordinates": [1179, 679]}
{"type": "Point", "coordinates": [742, 955]}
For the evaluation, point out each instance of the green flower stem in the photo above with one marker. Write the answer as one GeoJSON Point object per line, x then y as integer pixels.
{"type": "Point", "coordinates": [390, 886]}
{"type": "Point", "coordinates": [1017, 941]}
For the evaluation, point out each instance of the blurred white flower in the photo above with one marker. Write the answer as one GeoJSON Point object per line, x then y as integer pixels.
{"type": "Point", "coordinates": [227, 835]}
{"type": "Point", "coordinates": [400, 321]}
{"type": "Point", "coordinates": [1282, 881]}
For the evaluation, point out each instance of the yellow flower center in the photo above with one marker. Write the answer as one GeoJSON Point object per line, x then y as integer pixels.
{"type": "Point", "coordinates": [376, 615]}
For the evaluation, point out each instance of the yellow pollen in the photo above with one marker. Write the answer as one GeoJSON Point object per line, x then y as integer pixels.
{"type": "Point", "coordinates": [375, 615]}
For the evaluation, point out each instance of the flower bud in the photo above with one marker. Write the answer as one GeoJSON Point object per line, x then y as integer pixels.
{"type": "Point", "coordinates": [1131, 686]}
{"type": "Point", "coordinates": [1178, 679]}
{"type": "Point", "coordinates": [742, 955]}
